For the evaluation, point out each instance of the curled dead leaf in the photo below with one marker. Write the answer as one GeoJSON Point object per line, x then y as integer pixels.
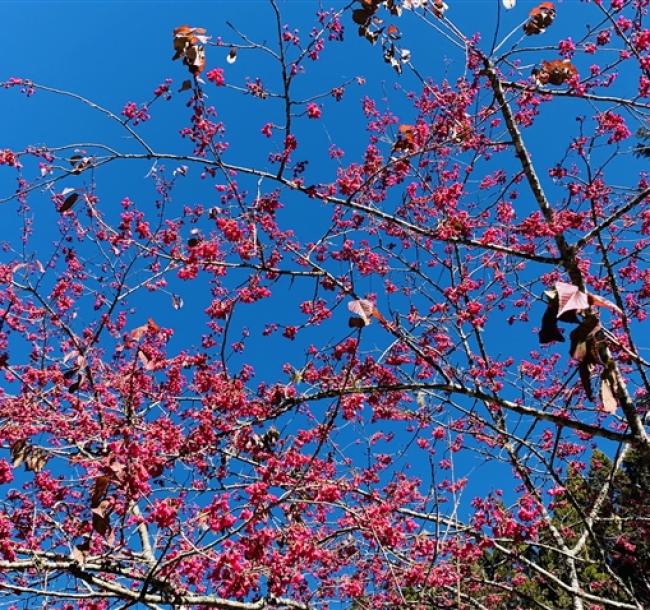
{"type": "Point", "coordinates": [392, 31]}
{"type": "Point", "coordinates": [140, 331]}
{"type": "Point", "coordinates": [366, 310]}
{"type": "Point", "coordinates": [79, 163]}
{"type": "Point", "coordinates": [599, 301]}
{"type": "Point", "coordinates": [405, 139]}
{"type": "Point", "coordinates": [607, 394]}
{"type": "Point", "coordinates": [18, 452]}
{"type": "Point", "coordinates": [79, 553]}
{"type": "Point", "coordinates": [189, 44]}
{"type": "Point", "coordinates": [34, 458]}
{"type": "Point", "coordinates": [555, 72]}
{"type": "Point", "coordinates": [194, 239]}
{"type": "Point", "coordinates": [539, 18]}
{"type": "Point", "coordinates": [549, 330]}
{"type": "Point", "coordinates": [582, 340]}
{"type": "Point", "coordinates": [68, 202]}
{"type": "Point", "coordinates": [100, 518]}
{"type": "Point", "coordinates": [99, 490]}
{"type": "Point", "coordinates": [438, 8]}
{"type": "Point", "coordinates": [362, 308]}
{"type": "Point", "coordinates": [584, 369]}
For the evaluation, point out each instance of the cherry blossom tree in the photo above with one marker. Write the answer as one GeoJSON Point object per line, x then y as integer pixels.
{"type": "Point", "coordinates": [282, 373]}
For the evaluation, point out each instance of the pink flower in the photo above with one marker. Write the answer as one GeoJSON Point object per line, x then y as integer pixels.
{"type": "Point", "coordinates": [313, 111]}
{"type": "Point", "coordinates": [137, 115]}
{"type": "Point", "coordinates": [267, 129]}
{"type": "Point", "coordinates": [567, 47]}
{"type": "Point", "coordinates": [216, 76]}
{"type": "Point", "coordinates": [6, 476]}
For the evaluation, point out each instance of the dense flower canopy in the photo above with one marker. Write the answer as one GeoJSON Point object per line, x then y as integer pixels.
{"type": "Point", "coordinates": [364, 325]}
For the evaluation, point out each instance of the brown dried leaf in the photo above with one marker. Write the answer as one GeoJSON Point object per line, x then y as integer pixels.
{"type": "Point", "coordinates": [540, 18]}
{"type": "Point", "coordinates": [580, 335]}
{"type": "Point", "coordinates": [101, 520]}
{"type": "Point", "coordinates": [140, 331]}
{"type": "Point", "coordinates": [361, 16]}
{"type": "Point", "coordinates": [362, 308]}
{"type": "Point", "coordinates": [555, 72]}
{"type": "Point", "coordinates": [76, 385]}
{"type": "Point", "coordinates": [356, 323]}
{"type": "Point", "coordinates": [19, 451]}
{"type": "Point", "coordinates": [146, 361]}
{"type": "Point", "coordinates": [549, 331]}
{"type": "Point", "coordinates": [439, 8]}
{"type": "Point", "coordinates": [36, 460]}
{"type": "Point", "coordinates": [392, 31]}
{"type": "Point", "coordinates": [99, 490]}
{"type": "Point", "coordinates": [79, 553]}
{"type": "Point", "coordinates": [610, 404]}
{"type": "Point", "coordinates": [584, 369]}
{"type": "Point", "coordinates": [69, 201]}
{"type": "Point", "coordinates": [79, 163]}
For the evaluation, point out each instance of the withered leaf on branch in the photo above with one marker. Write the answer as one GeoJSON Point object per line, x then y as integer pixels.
{"type": "Point", "coordinates": [570, 298]}
{"type": "Point", "coordinates": [79, 552]}
{"type": "Point", "coordinates": [555, 72]}
{"type": "Point", "coordinates": [584, 368]}
{"type": "Point", "coordinates": [540, 18]}
{"type": "Point", "coordinates": [34, 458]}
{"type": "Point", "coordinates": [392, 31]}
{"type": "Point", "coordinates": [582, 340]}
{"type": "Point", "coordinates": [18, 452]}
{"type": "Point", "coordinates": [608, 386]}
{"type": "Point", "coordinates": [549, 331]}
{"type": "Point", "coordinates": [99, 505]}
{"type": "Point", "coordinates": [139, 332]}
{"type": "Point", "coordinates": [79, 163]}
{"type": "Point", "coordinates": [100, 518]}
{"type": "Point", "coordinates": [643, 150]}
{"type": "Point", "coordinates": [438, 8]}
{"type": "Point", "coordinates": [74, 387]}
{"type": "Point", "coordinates": [394, 7]}
{"type": "Point", "coordinates": [70, 373]}
{"type": "Point", "coordinates": [356, 323]}
{"type": "Point", "coordinates": [362, 308]}
{"type": "Point", "coordinates": [194, 239]}
{"type": "Point", "coordinates": [99, 490]}
{"type": "Point", "coordinates": [406, 138]}
{"type": "Point", "coordinates": [177, 301]}
{"type": "Point", "coordinates": [189, 44]}
{"type": "Point", "coordinates": [370, 35]}
{"type": "Point", "coordinates": [565, 302]}
{"type": "Point", "coordinates": [68, 202]}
